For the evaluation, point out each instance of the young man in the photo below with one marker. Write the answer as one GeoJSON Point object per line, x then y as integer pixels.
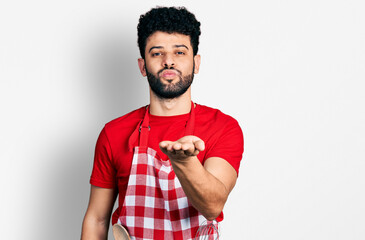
{"type": "Point", "coordinates": [173, 163]}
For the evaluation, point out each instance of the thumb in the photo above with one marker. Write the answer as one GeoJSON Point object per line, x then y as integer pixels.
{"type": "Point", "coordinates": [199, 144]}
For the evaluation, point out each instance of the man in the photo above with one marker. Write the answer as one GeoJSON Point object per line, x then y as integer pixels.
{"type": "Point", "coordinates": [174, 162]}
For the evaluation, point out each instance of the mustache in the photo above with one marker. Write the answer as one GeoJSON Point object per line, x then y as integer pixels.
{"type": "Point", "coordinates": [169, 68]}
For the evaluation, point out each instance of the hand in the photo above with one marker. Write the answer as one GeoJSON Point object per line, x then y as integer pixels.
{"type": "Point", "coordinates": [182, 149]}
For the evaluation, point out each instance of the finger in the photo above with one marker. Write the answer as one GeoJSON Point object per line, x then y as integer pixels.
{"type": "Point", "coordinates": [196, 152]}
{"type": "Point", "coordinates": [169, 147]}
{"type": "Point", "coordinates": [165, 145]}
{"type": "Point", "coordinates": [188, 148]}
{"type": "Point", "coordinates": [179, 153]}
{"type": "Point", "coordinates": [176, 146]}
{"type": "Point", "coordinates": [199, 145]}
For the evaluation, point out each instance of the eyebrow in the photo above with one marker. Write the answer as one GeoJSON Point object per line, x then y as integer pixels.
{"type": "Point", "coordinates": [176, 46]}
{"type": "Point", "coordinates": [181, 45]}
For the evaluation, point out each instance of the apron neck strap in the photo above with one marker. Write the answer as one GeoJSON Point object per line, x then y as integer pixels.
{"type": "Point", "coordinates": [189, 130]}
{"type": "Point", "coordinates": [144, 127]}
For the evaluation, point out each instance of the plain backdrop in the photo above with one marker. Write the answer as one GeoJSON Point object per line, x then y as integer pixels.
{"type": "Point", "coordinates": [291, 72]}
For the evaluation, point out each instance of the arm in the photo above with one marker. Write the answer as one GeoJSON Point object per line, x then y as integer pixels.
{"type": "Point", "coordinates": [97, 217]}
{"type": "Point", "coordinates": [207, 187]}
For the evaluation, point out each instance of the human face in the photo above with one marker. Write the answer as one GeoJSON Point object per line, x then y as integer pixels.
{"type": "Point", "coordinates": [169, 64]}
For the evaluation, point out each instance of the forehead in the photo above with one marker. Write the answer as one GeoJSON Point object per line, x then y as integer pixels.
{"type": "Point", "coordinates": [166, 40]}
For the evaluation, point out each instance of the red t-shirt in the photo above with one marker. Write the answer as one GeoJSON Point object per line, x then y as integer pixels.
{"type": "Point", "coordinates": [221, 134]}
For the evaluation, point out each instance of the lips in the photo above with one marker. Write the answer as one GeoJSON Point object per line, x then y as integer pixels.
{"type": "Point", "coordinates": [169, 73]}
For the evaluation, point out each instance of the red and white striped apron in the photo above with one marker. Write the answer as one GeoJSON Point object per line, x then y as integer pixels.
{"type": "Point", "coordinates": [155, 205]}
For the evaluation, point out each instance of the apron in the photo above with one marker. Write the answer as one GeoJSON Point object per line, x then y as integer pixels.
{"type": "Point", "coordinates": [155, 205]}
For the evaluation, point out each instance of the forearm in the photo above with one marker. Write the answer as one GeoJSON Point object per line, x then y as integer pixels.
{"type": "Point", "coordinates": [94, 229]}
{"type": "Point", "coordinates": [205, 192]}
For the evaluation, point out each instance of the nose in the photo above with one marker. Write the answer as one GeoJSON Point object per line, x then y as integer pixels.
{"type": "Point", "coordinates": [168, 61]}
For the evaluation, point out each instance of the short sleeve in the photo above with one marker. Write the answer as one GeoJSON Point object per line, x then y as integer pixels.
{"type": "Point", "coordinates": [228, 144]}
{"type": "Point", "coordinates": [103, 173]}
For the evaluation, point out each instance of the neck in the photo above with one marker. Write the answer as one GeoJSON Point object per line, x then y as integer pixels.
{"type": "Point", "coordinates": [170, 107]}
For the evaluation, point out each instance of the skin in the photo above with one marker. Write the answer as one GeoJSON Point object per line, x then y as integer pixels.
{"type": "Point", "coordinates": [163, 49]}
{"type": "Point", "coordinates": [206, 186]}
{"type": "Point", "coordinates": [96, 221]}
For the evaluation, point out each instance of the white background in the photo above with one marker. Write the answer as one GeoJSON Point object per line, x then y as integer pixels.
{"type": "Point", "coordinates": [291, 72]}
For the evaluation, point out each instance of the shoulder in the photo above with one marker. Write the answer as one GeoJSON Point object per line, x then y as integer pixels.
{"type": "Point", "coordinates": [124, 124]}
{"type": "Point", "coordinates": [214, 126]}
{"type": "Point", "coordinates": [212, 116]}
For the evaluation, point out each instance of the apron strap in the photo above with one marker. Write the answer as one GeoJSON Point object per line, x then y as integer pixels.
{"type": "Point", "coordinates": [144, 129]}
{"type": "Point", "coordinates": [189, 130]}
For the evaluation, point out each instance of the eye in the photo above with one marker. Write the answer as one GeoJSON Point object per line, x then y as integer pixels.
{"type": "Point", "coordinates": [156, 54]}
{"type": "Point", "coordinates": [180, 53]}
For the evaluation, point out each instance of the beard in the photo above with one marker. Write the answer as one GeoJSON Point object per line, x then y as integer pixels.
{"type": "Point", "coordinates": [172, 90]}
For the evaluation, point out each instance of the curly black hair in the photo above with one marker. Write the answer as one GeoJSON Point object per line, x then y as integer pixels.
{"type": "Point", "coordinates": [169, 20]}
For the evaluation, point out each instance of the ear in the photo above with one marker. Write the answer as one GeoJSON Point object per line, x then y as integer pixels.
{"type": "Point", "coordinates": [197, 63]}
{"type": "Point", "coordinates": [142, 66]}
